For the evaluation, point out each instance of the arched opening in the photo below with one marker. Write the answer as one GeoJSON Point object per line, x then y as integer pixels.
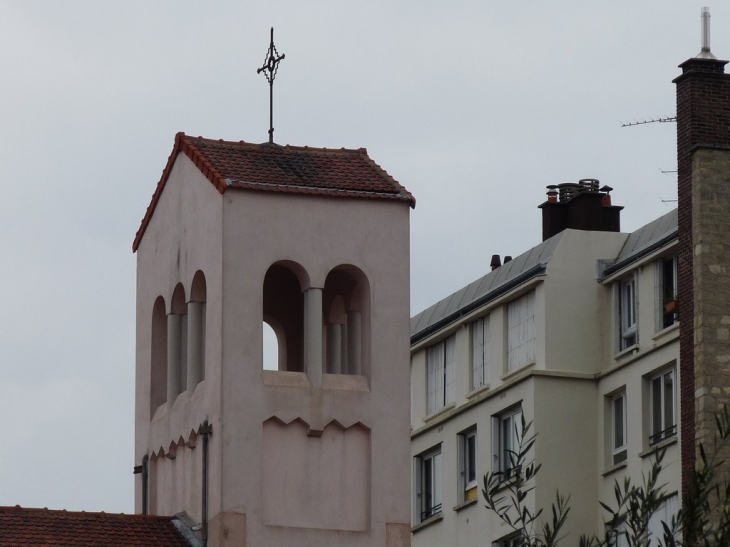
{"type": "Point", "coordinates": [270, 343]}
{"type": "Point", "coordinates": [346, 313]}
{"type": "Point", "coordinates": [196, 318]}
{"type": "Point", "coordinates": [158, 356]}
{"type": "Point", "coordinates": [176, 345]}
{"type": "Point", "coordinates": [284, 313]}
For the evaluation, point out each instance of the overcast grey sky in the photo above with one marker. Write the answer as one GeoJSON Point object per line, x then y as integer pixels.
{"type": "Point", "coordinates": [474, 106]}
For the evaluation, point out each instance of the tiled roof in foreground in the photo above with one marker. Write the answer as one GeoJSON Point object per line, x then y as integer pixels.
{"type": "Point", "coordinates": [483, 289]}
{"type": "Point", "coordinates": [289, 169]}
{"type": "Point", "coordinates": [24, 527]}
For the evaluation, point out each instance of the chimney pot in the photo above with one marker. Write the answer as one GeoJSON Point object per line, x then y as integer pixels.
{"type": "Point", "coordinates": [589, 184]}
{"type": "Point", "coordinates": [507, 258]}
{"type": "Point", "coordinates": [495, 263]}
{"type": "Point", "coordinates": [552, 193]}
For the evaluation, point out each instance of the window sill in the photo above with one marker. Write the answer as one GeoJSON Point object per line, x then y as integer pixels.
{"type": "Point", "coordinates": [667, 334]}
{"type": "Point", "coordinates": [628, 352]}
{"type": "Point", "coordinates": [478, 391]}
{"type": "Point", "coordinates": [658, 446]}
{"type": "Point", "coordinates": [160, 412]}
{"type": "Point", "coordinates": [512, 373]}
{"type": "Point", "coordinates": [505, 484]}
{"type": "Point", "coordinates": [614, 468]}
{"type": "Point", "coordinates": [286, 378]}
{"type": "Point", "coordinates": [440, 412]}
{"type": "Point", "coordinates": [466, 504]}
{"type": "Point", "coordinates": [426, 523]}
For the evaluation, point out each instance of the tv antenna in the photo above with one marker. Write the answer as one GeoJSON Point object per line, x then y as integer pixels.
{"type": "Point", "coordinates": [667, 119]}
{"type": "Point", "coordinates": [705, 53]}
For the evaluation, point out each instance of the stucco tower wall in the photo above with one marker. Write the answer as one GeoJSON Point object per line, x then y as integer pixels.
{"type": "Point", "coordinates": [183, 236]}
{"type": "Point", "coordinates": [318, 234]}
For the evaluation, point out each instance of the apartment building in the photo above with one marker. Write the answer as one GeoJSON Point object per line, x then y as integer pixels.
{"type": "Point", "coordinates": [579, 335]}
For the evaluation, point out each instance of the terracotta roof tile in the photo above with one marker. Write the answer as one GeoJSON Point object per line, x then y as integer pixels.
{"type": "Point", "coordinates": [274, 168]}
{"type": "Point", "coordinates": [24, 527]}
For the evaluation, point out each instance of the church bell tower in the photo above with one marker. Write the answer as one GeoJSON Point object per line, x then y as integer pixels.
{"type": "Point", "coordinates": [314, 243]}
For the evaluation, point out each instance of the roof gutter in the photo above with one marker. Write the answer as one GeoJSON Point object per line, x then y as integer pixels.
{"type": "Point", "coordinates": [536, 270]}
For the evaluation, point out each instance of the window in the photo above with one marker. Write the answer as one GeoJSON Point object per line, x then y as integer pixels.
{"type": "Point", "coordinates": [284, 311]}
{"type": "Point", "coordinates": [344, 308]}
{"type": "Point", "coordinates": [441, 374]}
{"type": "Point", "coordinates": [618, 429]}
{"type": "Point", "coordinates": [428, 484]}
{"type": "Point", "coordinates": [513, 540]}
{"type": "Point", "coordinates": [480, 352]}
{"type": "Point", "coordinates": [661, 396]}
{"type": "Point", "coordinates": [521, 332]}
{"type": "Point", "coordinates": [628, 334]}
{"type": "Point", "coordinates": [158, 355]}
{"type": "Point", "coordinates": [664, 513]}
{"type": "Point", "coordinates": [468, 465]}
{"type": "Point", "coordinates": [507, 434]}
{"type": "Point", "coordinates": [618, 538]}
{"type": "Point", "coordinates": [668, 310]}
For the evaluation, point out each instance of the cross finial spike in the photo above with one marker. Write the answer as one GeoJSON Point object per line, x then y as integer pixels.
{"type": "Point", "coordinates": [269, 68]}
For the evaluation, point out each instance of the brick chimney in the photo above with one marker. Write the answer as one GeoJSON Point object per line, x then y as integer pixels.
{"type": "Point", "coordinates": [703, 163]}
{"type": "Point", "coordinates": [580, 206]}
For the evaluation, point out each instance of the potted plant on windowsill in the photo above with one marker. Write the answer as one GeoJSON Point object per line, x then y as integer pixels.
{"type": "Point", "coordinates": [671, 305]}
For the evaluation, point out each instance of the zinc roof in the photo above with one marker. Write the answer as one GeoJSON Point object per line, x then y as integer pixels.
{"type": "Point", "coordinates": [484, 289]}
{"type": "Point", "coordinates": [655, 234]}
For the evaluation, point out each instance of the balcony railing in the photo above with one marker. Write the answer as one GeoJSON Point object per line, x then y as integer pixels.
{"type": "Point", "coordinates": [662, 435]}
{"type": "Point", "coordinates": [431, 511]}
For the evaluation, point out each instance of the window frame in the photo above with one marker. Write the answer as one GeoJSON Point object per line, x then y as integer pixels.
{"type": "Point", "coordinates": [468, 477]}
{"type": "Point", "coordinates": [501, 459]}
{"type": "Point", "coordinates": [429, 484]}
{"type": "Point", "coordinates": [480, 353]}
{"type": "Point", "coordinates": [526, 326]}
{"type": "Point", "coordinates": [440, 369]}
{"type": "Point", "coordinates": [627, 307]}
{"type": "Point", "coordinates": [619, 454]}
{"type": "Point", "coordinates": [665, 431]}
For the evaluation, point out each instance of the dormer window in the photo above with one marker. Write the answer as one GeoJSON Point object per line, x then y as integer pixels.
{"type": "Point", "coordinates": [480, 352]}
{"type": "Point", "coordinates": [628, 333]}
{"type": "Point", "coordinates": [441, 364]}
{"type": "Point", "coordinates": [521, 332]}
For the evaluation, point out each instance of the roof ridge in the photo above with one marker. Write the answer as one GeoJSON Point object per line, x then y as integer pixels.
{"type": "Point", "coordinates": [284, 147]}
{"type": "Point", "coordinates": [46, 510]}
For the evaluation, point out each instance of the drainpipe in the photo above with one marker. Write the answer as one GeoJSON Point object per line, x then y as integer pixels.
{"type": "Point", "coordinates": [144, 471]}
{"type": "Point", "coordinates": [205, 430]}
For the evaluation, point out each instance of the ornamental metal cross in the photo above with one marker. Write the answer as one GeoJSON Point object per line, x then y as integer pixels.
{"type": "Point", "coordinates": [269, 68]}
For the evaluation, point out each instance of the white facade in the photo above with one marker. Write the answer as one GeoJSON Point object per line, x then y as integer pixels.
{"type": "Point", "coordinates": [572, 335]}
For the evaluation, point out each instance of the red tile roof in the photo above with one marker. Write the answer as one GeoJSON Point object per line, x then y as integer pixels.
{"type": "Point", "coordinates": [24, 527]}
{"type": "Point", "coordinates": [274, 168]}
